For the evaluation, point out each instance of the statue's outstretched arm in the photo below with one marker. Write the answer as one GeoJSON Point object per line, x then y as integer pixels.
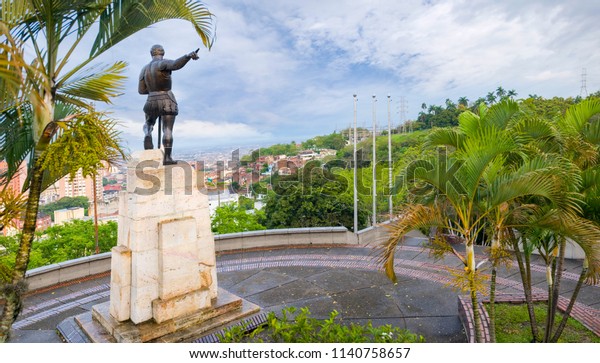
{"type": "Point", "coordinates": [173, 65]}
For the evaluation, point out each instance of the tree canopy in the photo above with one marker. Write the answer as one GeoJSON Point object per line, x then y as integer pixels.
{"type": "Point", "coordinates": [231, 218]}
{"type": "Point", "coordinates": [314, 197]}
{"type": "Point", "coordinates": [65, 202]}
{"type": "Point", "coordinates": [60, 243]}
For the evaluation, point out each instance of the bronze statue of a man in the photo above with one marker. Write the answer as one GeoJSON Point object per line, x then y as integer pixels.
{"type": "Point", "coordinates": [155, 81]}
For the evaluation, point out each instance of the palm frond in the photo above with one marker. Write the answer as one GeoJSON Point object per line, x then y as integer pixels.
{"type": "Point", "coordinates": [583, 232]}
{"type": "Point", "coordinates": [550, 178]}
{"type": "Point", "coordinates": [501, 113]}
{"type": "Point", "coordinates": [468, 122]}
{"type": "Point", "coordinates": [536, 128]}
{"type": "Point", "coordinates": [478, 152]}
{"type": "Point", "coordinates": [12, 70]}
{"type": "Point", "coordinates": [577, 116]}
{"type": "Point", "coordinates": [74, 101]}
{"type": "Point", "coordinates": [590, 181]}
{"type": "Point", "coordinates": [435, 175]}
{"type": "Point", "coordinates": [12, 12]}
{"type": "Point", "coordinates": [122, 18]}
{"type": "Point", "coordinates": [97, 83]}
{"type": "Point", "coordinates": [445, 137]}
{"type": "Point", "coordinates": [591, 131]}
{"type": "Point", "coordinates": [16, 138]}
{"type": "Point", "coordinates": [32, 18]}
{"type": "Point", "coordinates": [412, 217]}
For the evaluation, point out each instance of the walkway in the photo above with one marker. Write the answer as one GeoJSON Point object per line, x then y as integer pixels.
{"type": "Point", "coordinates": [322, 278]}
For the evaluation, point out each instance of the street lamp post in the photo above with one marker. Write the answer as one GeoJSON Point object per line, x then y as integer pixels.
{"type": "Point", "coordinates": [355, 181]}
{"type": "Point", "coordinates": [390, 155]}
{"type": "Point", "coordinates": [374, 164]}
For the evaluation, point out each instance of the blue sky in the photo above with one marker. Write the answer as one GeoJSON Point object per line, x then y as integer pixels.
{"type": "Point", "coordinates": [286, 70]}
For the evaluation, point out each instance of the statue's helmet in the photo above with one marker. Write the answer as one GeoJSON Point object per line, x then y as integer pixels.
{"type": "Point", "coordinates": [157, 49]}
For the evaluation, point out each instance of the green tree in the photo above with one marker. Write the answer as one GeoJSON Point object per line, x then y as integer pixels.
{"type": "Point", "coordinates": [315, 197]}
{"type": "Point", "coordinates": [246, 203]}
{"type": "Point", "coordinates": [9, 246]}
{"type": "Point", "coordinates": [45, 103]}
{"type": "Point", "coordinates": [74, 239]}
{"type": "Point", "coordinates": [277, 149]}
{"type": "Point", "coordinates": [230, 218]}
{"type": "Point", "coordinates": [332, 141]}
{"type": "Point", "coordinates": [500, 92]}
{"type": "Point", "coordinates": [549, 109]}
{"type": "Point", "coordinates": [60, 243]}
{"type": "Point", "coordinates": [576, 136]}
{"type": "Point", "coordinates": [65, 202]}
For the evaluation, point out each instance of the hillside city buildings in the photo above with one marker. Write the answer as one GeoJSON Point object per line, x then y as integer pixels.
{"type": "Point", "coordinates": [225, 178]}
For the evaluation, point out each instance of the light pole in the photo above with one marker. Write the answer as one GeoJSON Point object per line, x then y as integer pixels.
{"type": "Point", "coordinates": [96, 244]}
{"type": "Point", "coordinates": [390, 154]}
{"type": "Point", "coordinates": [355, 181]}
{"type": "Point", "coordinates": [374, 164]}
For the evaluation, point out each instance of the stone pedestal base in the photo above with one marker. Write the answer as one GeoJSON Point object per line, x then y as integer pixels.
{"type": "Point", "coordinates": [164, 265]}
{"type": "Point", "coordinates": [100, 327]}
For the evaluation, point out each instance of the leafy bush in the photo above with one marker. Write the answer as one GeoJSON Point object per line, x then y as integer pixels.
{"type": "Point", "coordinates": [297, 326]}
{"type": "Point", "coordinates": [246, 203]}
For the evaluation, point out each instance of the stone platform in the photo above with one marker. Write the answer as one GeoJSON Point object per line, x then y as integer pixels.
{"type": "Point", "coordinates": [100, 327]}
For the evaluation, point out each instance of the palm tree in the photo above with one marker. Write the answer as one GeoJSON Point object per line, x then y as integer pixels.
{"type": "Point", "coordinates": [500, 92]}
{"type": "Point", "coordinates": [543, 227]}
{"type": "Point", "coordinates": [47, 99]}
{"type": "Point", "coordinates": [470, 182]}
{"type": "Point", "coordinates": [547, 231]}
{"type": "Point", "coordinates": [477, 103]}
{"type": "Point", "coordinates": [463, 101]}
{"type": "Point", "coordinates": [580, 135]}
{"type": "Point", "coordinates": [450, 104]}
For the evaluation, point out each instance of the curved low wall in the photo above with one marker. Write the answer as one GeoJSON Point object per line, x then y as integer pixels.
{"type": "Point", "coordinates": [57, 273]}
{"type": "Point", "coordinates": [45, 276]}
{"type": "Point", "coordinates": [86, 266]}
{"type": "Point", "coordinates": [284, 237]}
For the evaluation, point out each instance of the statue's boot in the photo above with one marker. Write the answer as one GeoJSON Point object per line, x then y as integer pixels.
{"type": "Point", "coordinates": [148, 145]}
{"type": "Point", "coordinates": [148, 126]}
{"type": "Point", "coordinates": [167, 159]}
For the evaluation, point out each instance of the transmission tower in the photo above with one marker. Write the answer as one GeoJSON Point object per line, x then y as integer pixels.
{"type": "Point", "coordinates": [583, 93]}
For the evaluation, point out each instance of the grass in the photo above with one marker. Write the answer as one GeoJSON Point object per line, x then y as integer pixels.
{"type": "Point", "coordinates": [512, 325]}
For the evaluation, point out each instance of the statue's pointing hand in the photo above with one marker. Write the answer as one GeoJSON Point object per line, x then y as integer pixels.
{"type": "Point", "coordinates": [194, 55]}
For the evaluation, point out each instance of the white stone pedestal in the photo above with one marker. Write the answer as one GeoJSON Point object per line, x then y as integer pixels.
{"type": "Point", "coordinates": [163, 273]}
{"type": "Point", "coordinates": [164, 264]}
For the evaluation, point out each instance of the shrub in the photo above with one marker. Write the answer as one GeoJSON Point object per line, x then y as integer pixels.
{"type": "Point", "coordinates": [297, 326]}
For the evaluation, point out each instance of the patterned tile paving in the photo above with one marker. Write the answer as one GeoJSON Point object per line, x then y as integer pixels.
{"type": "Point", "coordinates": [351, 257]}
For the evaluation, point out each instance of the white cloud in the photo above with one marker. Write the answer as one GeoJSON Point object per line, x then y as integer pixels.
{"type": "Point", "coordinates": [283, 70]}
{"type": "Point", "coordinates": [191, 132]}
